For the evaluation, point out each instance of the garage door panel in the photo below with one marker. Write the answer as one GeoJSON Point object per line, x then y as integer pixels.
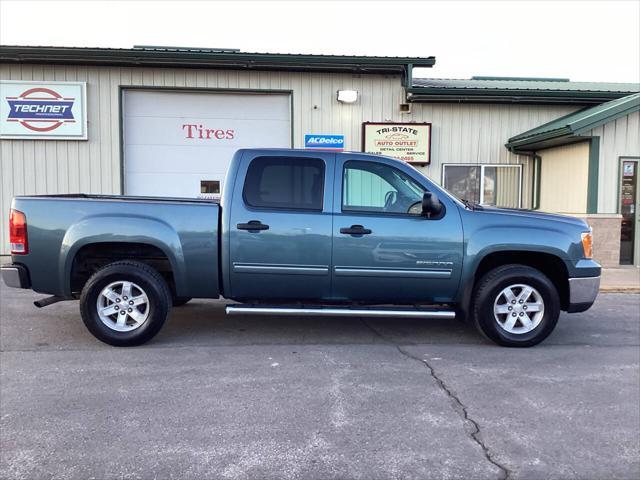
{"type": "Point", "coordinates": [164, 184]}
{"type": "Point", "coordinates": [161, 158]}
{"type": "Point", "coordinates": [165, 157]}
{"type": "Point", "coordinates": [206, 105]}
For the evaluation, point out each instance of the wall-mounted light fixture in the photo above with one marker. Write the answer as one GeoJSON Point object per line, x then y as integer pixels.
{"type": "Point", "coordinates": [347, 96]}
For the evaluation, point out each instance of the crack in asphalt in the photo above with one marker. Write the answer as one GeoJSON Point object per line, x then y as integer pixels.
{"type": "Point", "coordinates": [459, 407]}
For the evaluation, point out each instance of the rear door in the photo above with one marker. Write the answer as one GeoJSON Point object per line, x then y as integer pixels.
{"type": "Point", "coordinates": [384, 251]}
{"type": "Point", "coordinates": [280, 227]}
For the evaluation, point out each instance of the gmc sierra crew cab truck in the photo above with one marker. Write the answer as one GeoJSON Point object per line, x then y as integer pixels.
{"type": "Point", "coordinates": [305, 233]}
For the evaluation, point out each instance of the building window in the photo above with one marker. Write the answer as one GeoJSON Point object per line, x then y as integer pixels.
{"type": "Point", "coordinates": [210, 187]}
{"type": "Point", "coordinates": [498, 185]}
{"type": "Point", "coordinates": [285, 183]}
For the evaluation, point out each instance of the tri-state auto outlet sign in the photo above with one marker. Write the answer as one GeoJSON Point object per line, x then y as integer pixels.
{"type": "Point", "coordinates": [410, 142]}
{"type": "Point", "coordinates": [43, 110]}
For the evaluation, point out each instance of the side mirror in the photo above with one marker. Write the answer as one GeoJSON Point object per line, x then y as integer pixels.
{"type": "Point", "coordinates": [431, 206]}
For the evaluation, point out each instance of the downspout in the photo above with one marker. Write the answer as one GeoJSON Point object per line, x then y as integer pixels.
{"type": "Point", "coordinates": [407, 77]}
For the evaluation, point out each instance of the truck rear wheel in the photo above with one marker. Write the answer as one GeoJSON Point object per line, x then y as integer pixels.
{"type": "Point", "coordinates": [516, 306]}
{"type": "Point", "coordinates": [125, 303]}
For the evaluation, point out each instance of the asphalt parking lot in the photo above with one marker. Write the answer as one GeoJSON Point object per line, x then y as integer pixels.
{"type": "Point", "coordinates": [241, 397]}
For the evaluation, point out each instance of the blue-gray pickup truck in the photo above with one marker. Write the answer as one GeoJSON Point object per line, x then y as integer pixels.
{"type": "Point", "coordinates": [305, 233]}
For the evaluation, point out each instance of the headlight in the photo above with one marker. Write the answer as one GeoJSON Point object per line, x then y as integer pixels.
{"type": "Point", "coordinates": [587, 244]}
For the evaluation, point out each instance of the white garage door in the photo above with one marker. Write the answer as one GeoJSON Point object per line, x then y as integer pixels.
{"type": "Point", "coordinates": [179, 144]}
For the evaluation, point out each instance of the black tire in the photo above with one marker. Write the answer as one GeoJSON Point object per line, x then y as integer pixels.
{"type": "Point", "coordinates": [180, 301]}
{"type": "Point", "coordinates": [487, 292]}
{"type": "Point", "coordinates": [142, 275]}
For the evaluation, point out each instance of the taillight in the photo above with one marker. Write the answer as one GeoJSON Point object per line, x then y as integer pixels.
{"type": "Point", "coordinates": [18, 233]}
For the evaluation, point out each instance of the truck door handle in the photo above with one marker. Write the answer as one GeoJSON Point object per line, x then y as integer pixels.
{"type": "Point", "coordinates": [253, 226]}
{"type": "Point", "coordinates": [355, 230]}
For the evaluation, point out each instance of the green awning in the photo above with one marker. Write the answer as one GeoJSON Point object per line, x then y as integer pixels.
{"type": "Point", "coordinates": [568, 129]}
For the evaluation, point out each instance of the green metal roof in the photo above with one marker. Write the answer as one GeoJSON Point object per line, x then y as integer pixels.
{"type": "Point", "coordinates": [527, 79]}
{"type": "Point", "coordinates": [223, 58]}
{"type": "Point", "coordinates": [517, 90]}
{"type": "Point", "coordinates": [567, 129]}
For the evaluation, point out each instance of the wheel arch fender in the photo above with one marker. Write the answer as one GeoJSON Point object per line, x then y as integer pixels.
{"type": "Point", "coordinates": [541, 239]}
{"type": "Point", "coordinates": [519, 245]}
{"type": "Point", "coordinates": [130, 229]}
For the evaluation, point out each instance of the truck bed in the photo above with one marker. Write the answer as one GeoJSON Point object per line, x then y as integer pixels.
{"type": "Point", "coordinates": [127, 198]}
{"type": "Point", "coordinates": [183, 231]}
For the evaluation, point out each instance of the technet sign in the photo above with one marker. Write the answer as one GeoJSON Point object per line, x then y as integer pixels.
{"type": "Point", "coordinates": [35, 110]}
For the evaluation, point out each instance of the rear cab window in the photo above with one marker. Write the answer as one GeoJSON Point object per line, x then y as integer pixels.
{"type": "Point", "coordinates": [288, 183]}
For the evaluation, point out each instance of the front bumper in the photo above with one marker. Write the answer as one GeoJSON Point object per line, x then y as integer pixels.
{"type": "Point", "coordinates": [582, 293]}
{"type": "Point", "coordinates": [16, 276]}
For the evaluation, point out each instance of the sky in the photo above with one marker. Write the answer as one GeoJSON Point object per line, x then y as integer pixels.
{"type": "Point", "coordinates": [580, 40]}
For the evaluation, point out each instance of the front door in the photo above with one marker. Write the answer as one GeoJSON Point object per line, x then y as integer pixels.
{"type": "Point", "coordinates": [384, 251]}
{"type": "Point", "coordinates": [280, 227]}
{"type": "Point", "coordinates": [629, 205]}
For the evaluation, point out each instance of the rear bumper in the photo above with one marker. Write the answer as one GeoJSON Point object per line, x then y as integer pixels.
{"type": "Point", "coordinates": [16, 276]}
{"type": "Point", "coordinates": [582, 293]}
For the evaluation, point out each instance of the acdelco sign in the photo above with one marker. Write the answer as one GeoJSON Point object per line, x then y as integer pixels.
{"type": "Point", "coordinates": [324, 142]}
{"type": "Point", "coordinates": [43, 110]}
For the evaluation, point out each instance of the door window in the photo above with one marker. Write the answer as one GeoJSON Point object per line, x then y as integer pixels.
{"type": "Point", "coordinates": [285, 183]}
{"type": "Point", "coordinates": [497, 185]}
{"type": "Point", "coordinates": [628, 202]}
{"type": "Point", "coordinates": [375, 187]}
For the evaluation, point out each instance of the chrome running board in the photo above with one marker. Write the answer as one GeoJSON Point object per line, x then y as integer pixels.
{"type": "Point", "coordinates": [241, 309]}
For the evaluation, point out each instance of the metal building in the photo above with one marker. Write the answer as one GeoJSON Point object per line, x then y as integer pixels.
{"type": "Point", "coordinates": [587, 164]}
{"type": "Point", "coordinates": [165, 121]}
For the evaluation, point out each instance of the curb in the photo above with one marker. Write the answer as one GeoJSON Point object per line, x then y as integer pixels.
{"type": "Point", "coordinates": [620, 290]}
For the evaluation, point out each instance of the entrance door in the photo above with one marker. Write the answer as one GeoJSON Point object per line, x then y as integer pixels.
{"type": "Point", "coordinates": [629, 206]}
{"type": "Point", "coordinates": [280, 227]}
{"type": "Point", "coordinates": [384, 251]}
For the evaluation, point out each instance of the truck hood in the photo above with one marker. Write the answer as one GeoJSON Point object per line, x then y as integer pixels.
{"type": "Point", "coordinates": [531, 214]}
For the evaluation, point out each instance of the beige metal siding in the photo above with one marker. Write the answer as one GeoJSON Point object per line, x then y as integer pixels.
{"type": "Point", "coordinates": [620, 138]}
{"type": "Point", "coordinates": [468, 133]}
{"type": "Point", "coordinates": [462, 133]}
{"type": "Point", "coordinates": [564, 175]}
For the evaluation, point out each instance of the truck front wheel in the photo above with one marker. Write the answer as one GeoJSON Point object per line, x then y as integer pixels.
{"type": "Point", "coordinates": [516, 306]}
{"type": "Point", "coordinates": [125, 303]}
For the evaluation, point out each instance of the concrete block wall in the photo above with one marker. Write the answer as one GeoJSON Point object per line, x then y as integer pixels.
{"type": "Point", "coordinates": [606, 238]}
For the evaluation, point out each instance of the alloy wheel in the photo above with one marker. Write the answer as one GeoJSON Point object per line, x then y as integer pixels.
{"type": "Point", "coordinates": [123, 306]}
{"type": "Point", "coordinates": [518, 309]}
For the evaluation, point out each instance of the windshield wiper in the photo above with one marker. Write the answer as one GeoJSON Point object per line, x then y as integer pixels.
{"type": "Point", "coordinates": [471, 205]}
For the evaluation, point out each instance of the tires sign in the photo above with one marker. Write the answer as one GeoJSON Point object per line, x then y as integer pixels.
{"type": "Point", "coordinates": [43, 110]}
